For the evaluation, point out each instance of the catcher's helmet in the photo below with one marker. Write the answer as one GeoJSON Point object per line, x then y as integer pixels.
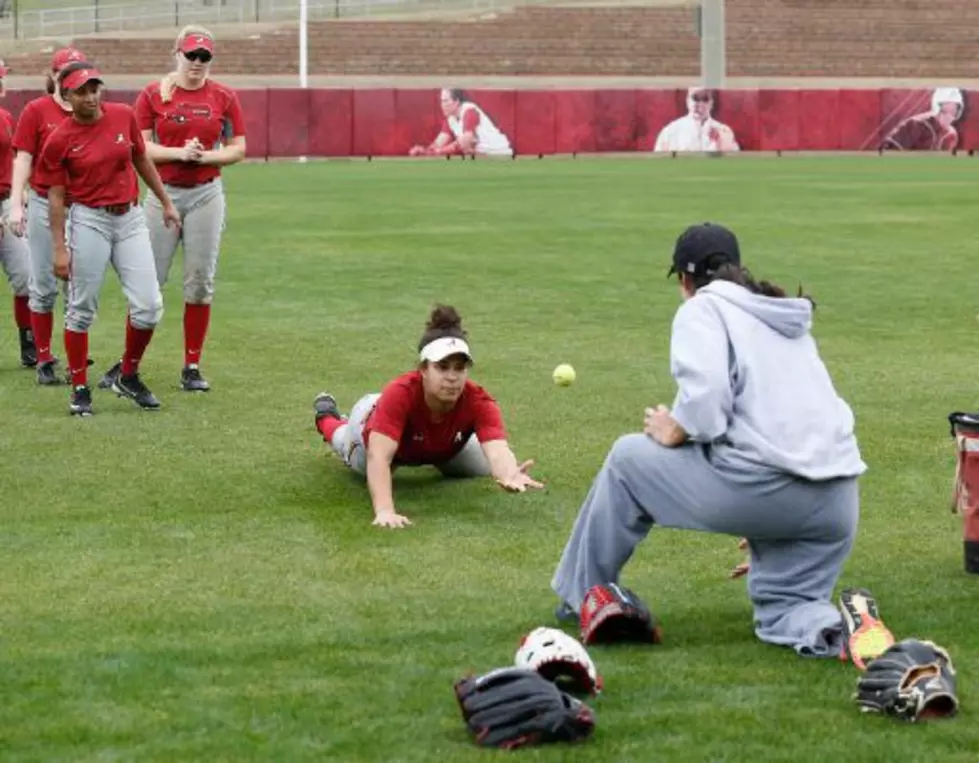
{"type": "Point", "coordinates": [947, 95]}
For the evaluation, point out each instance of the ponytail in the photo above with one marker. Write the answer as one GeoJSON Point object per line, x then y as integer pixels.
{"type": "Point", "coordinates": [168, 83]}
{"type": "Point", "coordinates": [719, 268]}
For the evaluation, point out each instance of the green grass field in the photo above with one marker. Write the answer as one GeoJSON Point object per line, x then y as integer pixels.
{"type": "Point", "coordinates": [204, 583]}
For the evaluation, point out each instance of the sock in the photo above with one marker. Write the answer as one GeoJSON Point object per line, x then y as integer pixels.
{"type": "Point", "coordinates": [196, 319]}
{"type": "Point", "coordinates": [43, 325]}
{"type": "Point", "coordinates": [137, 341]}
{"type": "Point", "coordinates": [76, 348]}
{"type": "Point", "coordinates": [22, 313]}
{"type": "Point", "coordinates": [328, 427]}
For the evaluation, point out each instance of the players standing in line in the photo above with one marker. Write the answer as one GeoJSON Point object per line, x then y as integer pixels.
{"type": "Point", "coordinates": [757, 444]}
{"type": "Point", "coordinates": [14, 256]}
{"type": "Point", "coordinates": [434, 415]}
{"type": "Point", "coordinates": [92, 161]}
{"type": "Point", "coordinates": [37, 121]}
{"type": "Point", "coordinates": [185, 119]}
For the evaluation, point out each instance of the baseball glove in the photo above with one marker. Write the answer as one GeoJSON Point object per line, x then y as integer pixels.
{"type": "Point", "coordinates": [514, 707]}
{"type": "Point", "coordinates": [913, 680]}
{"type": "Point", "coordinates": [560, 659]}
{"type": "Point", "coordinates": [611, 613]}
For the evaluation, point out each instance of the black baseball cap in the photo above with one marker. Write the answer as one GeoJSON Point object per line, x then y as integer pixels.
{"type": "Point", "coordinates": [698, 243]}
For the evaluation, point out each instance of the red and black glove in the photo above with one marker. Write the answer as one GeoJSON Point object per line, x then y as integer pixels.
{"type": "Point", "coordinates": [612, 614]}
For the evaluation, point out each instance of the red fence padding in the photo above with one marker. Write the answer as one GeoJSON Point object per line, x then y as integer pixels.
{"type": "Point", "coordinates": [374, 121]}
{"type": "Point", "coordinates": [655, 109]}
{"type": "Point", "coordinates": [816, 131]}
{"type": "Point", "coordinates": [858, 114]}
{"type": "Point", "coordinates": [614, 123]}
{"type": "Point", "coordinates": [255, 107]}
{"type": "Point", "coordinates": [536, 123]}
{"type": "Point", "coordinates": [418, 119]}
{"type": "Point", "coordinates": [389, 122]}
{"type": "Point", "coordinates": [289, 115]}
{"type": "Point", "coordinates": [574, 113]}
{"type": "Point", "coordinates": [331, 122]}
{"type": "Point", "coordinates": [778, 120]}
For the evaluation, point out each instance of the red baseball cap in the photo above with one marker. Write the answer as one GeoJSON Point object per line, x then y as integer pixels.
{"type": "Point", "coordinates": [76, 79]}
{"type": "Point", "coordinates": [197, 41]}
{"type": "Point", "coordinates": [64, 57]}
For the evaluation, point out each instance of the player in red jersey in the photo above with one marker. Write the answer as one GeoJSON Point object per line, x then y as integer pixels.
{"type": "Point", "coordinates": [193, 126]}
{"type": "Point", "coordinates": [14, 256]}
{"type": "Point", "coordinates": [37, 121]}
{"type": "Point", "coordinates": [434, 416]}
{"type": "Point", "coordinates": [92, 161]}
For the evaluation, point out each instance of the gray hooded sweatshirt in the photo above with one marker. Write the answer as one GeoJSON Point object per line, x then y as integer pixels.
{"type": "Point", "coordinates": [751, 384]}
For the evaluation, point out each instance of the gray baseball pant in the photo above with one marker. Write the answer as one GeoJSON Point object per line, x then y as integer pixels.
{"type": "Point", "coordinates": [15, 257]}
{"type": "Point", "coordinates": [348, 444]}
{"type": "Point", "coordinates": [43, 282]}
{"type": "Point", "coordinates": [97, 239]}
{"type": "Point", "coordinates": [800, 533]}
{"type": "Point", "coordinates": [202, 215]}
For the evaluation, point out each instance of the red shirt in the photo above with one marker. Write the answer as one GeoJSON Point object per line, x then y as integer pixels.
{"type": "Point", "coordinates": [212, 114]}
{"type": "Point", "coordinates": [402, 415]}
{"type": "Point", "coordinates": [94, 162]}
{"type": "Point", "coordinates": [37, 121]}
{"type": "Point", "coordinates": [6, 150]}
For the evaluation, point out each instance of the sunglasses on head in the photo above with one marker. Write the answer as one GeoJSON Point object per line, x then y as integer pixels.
{"type": "Point", "coordinates": [702, 97]}
{"type": "Point", "coordinates": [198, 55]}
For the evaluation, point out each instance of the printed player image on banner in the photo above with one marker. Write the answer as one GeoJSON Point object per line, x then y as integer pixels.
{"type": "Point", "coordinates": [697, 130]}
{"type": "Point", "coordinates": [466, 129]}
{"type": "Point", "coordinates": [922, 120]}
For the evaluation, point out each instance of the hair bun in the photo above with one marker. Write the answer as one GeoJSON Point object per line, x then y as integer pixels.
{"type": "Point", "coordinates": [444, 318]}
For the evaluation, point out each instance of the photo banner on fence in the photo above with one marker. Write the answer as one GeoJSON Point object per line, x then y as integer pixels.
{"type": "Point", "coordinates": [388, 122]}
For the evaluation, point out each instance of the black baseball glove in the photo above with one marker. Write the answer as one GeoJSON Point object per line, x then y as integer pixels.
{"type": "Point", "coordinates": [912, 680]}
{"type": "Point", "coordinates": [513, 707]}
{"type": "Point", "coordinates": [611, 613]}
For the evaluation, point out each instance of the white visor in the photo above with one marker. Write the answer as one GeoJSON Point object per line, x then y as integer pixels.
{"type": "Point", "coordinates": [443, 347]}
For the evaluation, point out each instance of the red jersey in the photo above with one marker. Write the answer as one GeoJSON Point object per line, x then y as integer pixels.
{"type": "Point", "coordinates": [211, 114]}
{"type": "Point", "coordinates": [37, 121]}
{"type": "Point", "coordinates": [401, 414]}
{"type": "Point", "coordinates": [94, 162]}
{"type": "Point", "coordinates": [6, 150]}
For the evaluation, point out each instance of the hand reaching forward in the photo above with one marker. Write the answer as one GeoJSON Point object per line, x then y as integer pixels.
{"type": "Point", "coordinates": [519, 480]}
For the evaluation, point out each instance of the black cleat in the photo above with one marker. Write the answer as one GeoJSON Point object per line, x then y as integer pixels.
{"type": "Point", "coordinates": [46, 375]}
{"type": "Point", "coordinates": [81, 402]}
{"type": "Point", "coordinates": [28, 350]}
{"type": "Point", "coordinates": [325, 405]}
{"type": "Point", "coordinates": [110, 377]}
{"type": "Point", "coordinates": [192, 381]}
{"type": "Point", "coordinates": [133, 388]}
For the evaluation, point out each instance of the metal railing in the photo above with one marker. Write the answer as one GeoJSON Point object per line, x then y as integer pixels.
{"type": "Point", "coordinates": [111, 16]}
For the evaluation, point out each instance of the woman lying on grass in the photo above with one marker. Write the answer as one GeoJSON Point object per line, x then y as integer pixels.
{"type": "Point", "coordinates": [434, 415]}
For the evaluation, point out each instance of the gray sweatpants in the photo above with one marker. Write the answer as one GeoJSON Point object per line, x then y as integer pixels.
{"type": "Point", "coordinates": [97, 239]}
{"type": "Point", "coordinates": [800, 533]}
{"type": "Point", "coordinates": [15, 258]}
{"type": "Point", "coordinates": [43, 282]}
{"type": "Point", "coordinates": [202, 215]}
{"type": "Point", "coordinates": [348, 443]}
